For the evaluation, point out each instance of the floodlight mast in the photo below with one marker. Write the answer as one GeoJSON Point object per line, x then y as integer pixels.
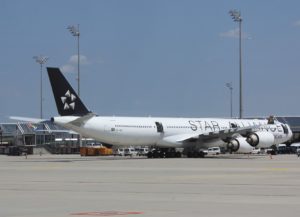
{"type": "Point", "coordinates": [236, 16]}
{"type": "Point", "coordinates": [41, 60]}
{"type": "Point", "coordinates": [75, 32]}
{"type": "Point", "coordinates": [1, 131]}
{"type": "Point", "coordinates": [230, 87]}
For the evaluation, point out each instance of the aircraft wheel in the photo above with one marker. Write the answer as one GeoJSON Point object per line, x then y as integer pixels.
{"type": "Point", "coordinates": [178, 154]}
{"type": "Point", "coordinates": [150, 154]}
{"type": "Point", "coordinates": [195, 154]}
{"type": "Point", "coordinates": [201, 154]}
{"type": "Point", "coordinates": [162, 154]}
{"type": "Point", "coordinates": [156, 155]}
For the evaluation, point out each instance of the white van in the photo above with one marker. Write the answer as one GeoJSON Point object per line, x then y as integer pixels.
{"type": "Point", "coordinates": [257, 151]}
{"type": "Point", "coordinates": [142, 151]}
{"type": "Point", "coordinates": [298, 152]}
{"type": "Point", "coordinates": [130, 152]}
{"type": "Point", "coordinates": [118, 152]}
{"type": "Point", "coordinates": [214, 151]}
{"type": "Point", "coordinates": [295, 145]}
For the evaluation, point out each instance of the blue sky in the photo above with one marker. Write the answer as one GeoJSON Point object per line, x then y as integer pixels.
{"type": "Point", "coordinates": [158, 58]}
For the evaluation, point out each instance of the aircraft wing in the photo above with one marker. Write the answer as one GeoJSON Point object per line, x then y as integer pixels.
{"type": "Point", "coordinates": [221, 134]}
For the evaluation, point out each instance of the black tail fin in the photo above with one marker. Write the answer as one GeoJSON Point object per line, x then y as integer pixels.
{"type": "Point", "coordinates": [67, 101]}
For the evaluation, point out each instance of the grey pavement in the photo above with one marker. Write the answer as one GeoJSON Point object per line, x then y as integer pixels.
{"type": "Point", "coordinates": [70, 185]}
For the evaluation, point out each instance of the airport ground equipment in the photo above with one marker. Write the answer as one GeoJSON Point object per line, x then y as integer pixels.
{"type": "Point", "coordinates": [95, 151]}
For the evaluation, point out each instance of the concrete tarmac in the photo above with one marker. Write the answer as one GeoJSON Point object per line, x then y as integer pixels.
{"type": "Point", "coordinates": [230, 185]}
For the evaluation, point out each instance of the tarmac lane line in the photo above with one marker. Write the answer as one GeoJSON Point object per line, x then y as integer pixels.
{"type": "Point", "coordinates": [107, 213]}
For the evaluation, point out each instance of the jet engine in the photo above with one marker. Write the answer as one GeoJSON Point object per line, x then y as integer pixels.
{"type": "Point", "coordinates": [261, 139]}
{"type": "Point", "coordinates": [239, 145]}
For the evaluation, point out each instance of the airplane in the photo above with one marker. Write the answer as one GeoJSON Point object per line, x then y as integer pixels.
{"type": "Point", "coordinates": [166, 134]}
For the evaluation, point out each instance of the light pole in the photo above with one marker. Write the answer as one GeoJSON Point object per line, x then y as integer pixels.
{"type": "Point", "coordinates": [41, 60]}
{"type": "Point", "coordinates": [1, 131]}
{"type": "Point", "coordinates": [75, 32]}
{"type": "Point", "coordinates": [229, 85]}
{"type": "Point", "coordinates": [236, 16]}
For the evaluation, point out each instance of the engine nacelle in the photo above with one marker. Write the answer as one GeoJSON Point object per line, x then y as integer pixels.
{"type": "Point", "coordinates": [239, 145]}
{"type": "Point", "coordinates": [261, 139]}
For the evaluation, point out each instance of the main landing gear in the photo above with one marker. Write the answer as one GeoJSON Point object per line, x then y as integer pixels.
{"type": "Point", "coordinates": [194, 153]}
{"type": "Point", "coordinates": [164, 153]}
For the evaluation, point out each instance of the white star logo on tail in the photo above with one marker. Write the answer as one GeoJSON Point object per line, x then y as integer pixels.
{"type": "Point", "coordinates": [68, 100]}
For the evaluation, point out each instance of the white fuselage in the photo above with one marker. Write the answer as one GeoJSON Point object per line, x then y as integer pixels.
{"type": "Point", "coordinates": [164, 132]}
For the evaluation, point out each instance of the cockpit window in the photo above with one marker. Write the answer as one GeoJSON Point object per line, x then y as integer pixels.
{"type": "Point", "coordinates": [271, 120]}
{"type": "Point", "coordinates": [285, 129]}
{"type": "Point", "coordinates": [233, 125]}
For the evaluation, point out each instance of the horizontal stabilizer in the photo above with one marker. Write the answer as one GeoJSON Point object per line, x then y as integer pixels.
{"type": "Point", "coordinates": [27, 119]}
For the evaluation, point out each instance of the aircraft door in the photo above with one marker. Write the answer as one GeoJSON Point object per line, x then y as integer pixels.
{"type": "Point", "coordinates": [159, 127]}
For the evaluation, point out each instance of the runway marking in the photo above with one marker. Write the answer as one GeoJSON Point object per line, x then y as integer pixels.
{"type": "Point", "coordinates": [277, 169]}
{"type": "Point", "coordinates": [106, 213]}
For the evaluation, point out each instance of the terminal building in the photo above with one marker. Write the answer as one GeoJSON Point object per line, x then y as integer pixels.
{"type": "Point", "coordinates": [28, 137]}
{"type": "Point", "coordinates": [32, 138]}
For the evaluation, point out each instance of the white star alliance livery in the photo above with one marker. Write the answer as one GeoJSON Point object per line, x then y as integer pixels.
{"type": "Point", "coordinates": [192, 134]}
